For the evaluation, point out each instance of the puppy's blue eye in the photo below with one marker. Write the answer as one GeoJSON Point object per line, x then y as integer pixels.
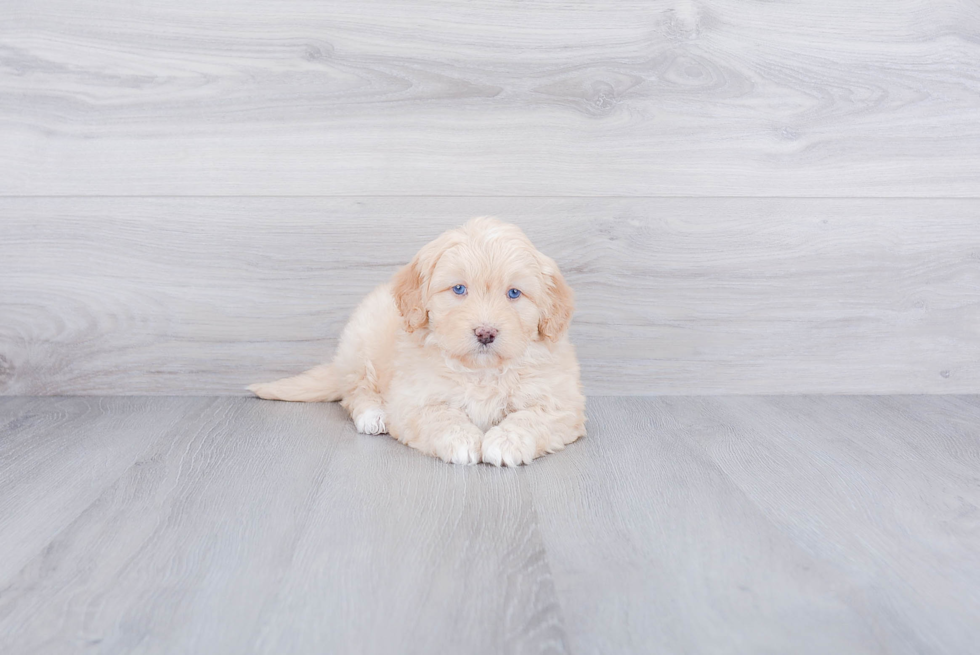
{"type": "Point", "coordinates": [514, 293]}
{"type": "Point", "coordinates": [459, 289]}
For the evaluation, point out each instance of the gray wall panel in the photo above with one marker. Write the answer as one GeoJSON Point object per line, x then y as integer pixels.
{"type": "Point", "coordinates": [675, 296]}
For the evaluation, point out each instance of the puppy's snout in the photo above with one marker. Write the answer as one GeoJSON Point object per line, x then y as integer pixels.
{"type": "Point", "coordinates": [485, 334]}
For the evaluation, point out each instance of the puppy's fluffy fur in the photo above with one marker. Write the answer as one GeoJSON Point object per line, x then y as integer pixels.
{"type": "Point", "coordinates": [411, 362]}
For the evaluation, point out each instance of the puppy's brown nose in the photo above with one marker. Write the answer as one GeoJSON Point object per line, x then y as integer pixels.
{"type": "Point", "coordinates": [485, 334]}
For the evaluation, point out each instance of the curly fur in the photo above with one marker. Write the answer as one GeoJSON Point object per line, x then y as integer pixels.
{"type": "Point", "coordinates": [409, 362]}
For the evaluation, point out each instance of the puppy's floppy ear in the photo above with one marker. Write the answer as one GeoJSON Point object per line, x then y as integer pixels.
{"type": "Point", "coordinates": [406, 287]}
{"type": "Point", "coordinates": [410, 285]}
{"type": "Point", "coordinates": [556, 314]}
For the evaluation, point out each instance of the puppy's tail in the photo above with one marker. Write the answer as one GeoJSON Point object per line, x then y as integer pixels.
{"type": "Point", "coordinates": [319, 384]}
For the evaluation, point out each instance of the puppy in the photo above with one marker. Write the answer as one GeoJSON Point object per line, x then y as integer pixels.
{"type": "Point", "coordinates": [463, 355]}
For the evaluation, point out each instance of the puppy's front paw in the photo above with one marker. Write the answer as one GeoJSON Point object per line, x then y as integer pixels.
{"type": "Point", "coordinates": [459, 445]}
{"type": "Point", "coordinates": [507, 446]}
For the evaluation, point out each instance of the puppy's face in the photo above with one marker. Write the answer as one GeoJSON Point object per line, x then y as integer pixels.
{"type": "Point", "coordinates": [483, 293]}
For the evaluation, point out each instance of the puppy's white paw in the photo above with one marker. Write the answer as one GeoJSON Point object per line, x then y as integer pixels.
{"type": "Point", "coordinates": [371, 421]}
{"type": "Point", "coordinates": [506, 446]}
{"type": "Point", "coordinates": [461, 445]}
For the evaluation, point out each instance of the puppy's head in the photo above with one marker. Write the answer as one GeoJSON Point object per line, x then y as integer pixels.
{"type": "Point", "coordinates": [483, 293]}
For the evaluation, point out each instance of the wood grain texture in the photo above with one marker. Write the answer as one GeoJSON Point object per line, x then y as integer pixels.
{"type": "Point", "coordinates": [663, 97]}
{"type": "Point", "coordinates": [674, 296]}
{"type": "Point", "coordinates": [681, 524]}
{"type": "Point", "coordinates": [73, 449]}
{"type": "Point", "coordinates": [748, 525]}
{"type": "Point", "coordinates": [268, 528]}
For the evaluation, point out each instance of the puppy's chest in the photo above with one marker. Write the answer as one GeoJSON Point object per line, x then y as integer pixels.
{"type": "Point", "coordinates": [488, 399]}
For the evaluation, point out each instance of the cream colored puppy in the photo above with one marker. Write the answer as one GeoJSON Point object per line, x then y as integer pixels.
{"type": "Point", "coordinates": [464, 355]}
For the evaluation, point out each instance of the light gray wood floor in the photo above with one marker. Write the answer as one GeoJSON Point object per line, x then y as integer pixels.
{"type": "Point", "coordinates": [681, 524]}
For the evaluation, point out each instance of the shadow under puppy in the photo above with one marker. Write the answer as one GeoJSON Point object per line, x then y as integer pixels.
{"type": "Point", "coordinates": [464, 355]}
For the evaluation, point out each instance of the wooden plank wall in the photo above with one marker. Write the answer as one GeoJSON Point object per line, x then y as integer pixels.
{"type": "Point", "coordinates": [764, 197]}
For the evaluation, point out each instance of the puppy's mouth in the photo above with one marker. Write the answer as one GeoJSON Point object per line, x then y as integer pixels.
{"type": "Point", "coordinates": [484, 354]}
{"type": "Point", "coordinates": [486, 350]}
